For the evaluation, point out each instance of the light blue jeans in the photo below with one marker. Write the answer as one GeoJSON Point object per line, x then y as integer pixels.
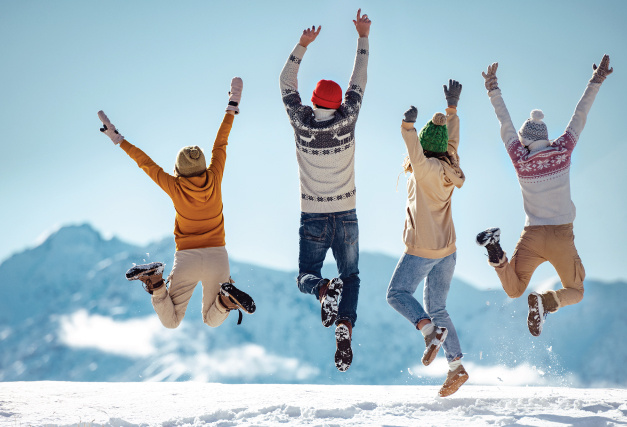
{"type": "Point", "coordinates": [409, 272]}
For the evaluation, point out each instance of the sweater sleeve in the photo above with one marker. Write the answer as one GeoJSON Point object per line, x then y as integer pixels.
{"type": "Point", "coordinates": [359, 77]}
{"type": "Point", "coordinates": [419, 163]}
{"type": "Point", "coordinates": [578, 121]}
{"type": "Point", "coordinates": [288, 80]}
{"type": "Point", "coordinates": [218, 153]}
{"type": "Point", "coordinates": [154, 171]}
{"type": "Point", "coordinates": [452, 125]}
{"type": "Point", "coordinates": [508, 132]}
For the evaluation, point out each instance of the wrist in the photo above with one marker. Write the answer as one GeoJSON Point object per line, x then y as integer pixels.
{"type": "Point", "coordinates": [407, 125]}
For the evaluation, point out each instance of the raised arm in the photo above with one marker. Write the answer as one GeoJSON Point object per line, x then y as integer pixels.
{"type": "Point", "coordinates": [452, 93]}
{"type": "Point", "coordinates": [288, 80]}
{"type": "Point", "coordinates": [412, 142]}
{"type": "Point", "coordinates": [508, 131]}
{"type": "Point", "coordinates": [218, 153]}
{"type": "Point", "coordinates": [578, 121]}
{"type": "Point", "coordinates": [359, 77]}
{"type": "Point", "coordinates": [154, 171]}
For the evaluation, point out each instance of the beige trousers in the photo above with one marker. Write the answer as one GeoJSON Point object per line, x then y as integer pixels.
{"type": "Point", "coordinates": [210, 266]}
{"type": "Point", "coordinates": [539, 243]}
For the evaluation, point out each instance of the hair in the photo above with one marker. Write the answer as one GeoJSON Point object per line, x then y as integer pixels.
{"type": "Point", "coordinates": [323, 108]}
{"type": "Point", "coordinates": [430, 154]}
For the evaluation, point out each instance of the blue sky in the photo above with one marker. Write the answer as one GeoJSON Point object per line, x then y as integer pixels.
{"type": "Point", "coordinates": [161, 70]}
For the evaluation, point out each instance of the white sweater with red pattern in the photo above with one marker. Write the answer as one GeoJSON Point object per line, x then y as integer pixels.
{"type": "Point", "coordinates": [544, 172]}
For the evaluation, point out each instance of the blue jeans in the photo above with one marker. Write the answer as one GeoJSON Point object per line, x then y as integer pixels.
{"type": "Point", "coordinates": [338, 231]}
{"type": "Point", "coordinates": [409, 272]}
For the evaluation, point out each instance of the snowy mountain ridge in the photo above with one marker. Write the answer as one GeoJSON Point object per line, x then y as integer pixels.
{"type": "Point", "coordinates": [68, 314]}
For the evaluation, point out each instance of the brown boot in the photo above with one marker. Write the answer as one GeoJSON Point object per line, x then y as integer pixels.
{"type": "Point", "coordinates": [539, 306]}
{"type": "Point", "coordinates": [343, 352]}
{"type": "Point", "coordinates": [454, 380]}
{"type": "Point", "coordinates": [433, 342]}
{"type": "Point", "coordinates": [151, 275]}
{"type": "Point", "coordinates": [550, 301]}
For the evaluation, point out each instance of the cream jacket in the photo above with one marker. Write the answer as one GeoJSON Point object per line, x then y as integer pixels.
{"type": "Point", "coordinates": [429, 230]}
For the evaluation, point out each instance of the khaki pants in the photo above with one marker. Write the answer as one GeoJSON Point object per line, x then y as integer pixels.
{"type": "Point", "coordinates": [207, 265]}
{"type": "Point", "coordinates": [539, 243]}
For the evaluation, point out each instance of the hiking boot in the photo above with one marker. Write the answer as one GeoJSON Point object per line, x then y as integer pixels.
{"type": "Point", "coordinates": [236, 299]}
{"type": "Point", "coordinates": [343, 352]}
{"type": "Point", "coordinates": [454, 380]}
{"type": "Point", "coordinates": [540, 305]}
{"type": "Point", "coordinates": [151, 275]}
{"type": "Point", "coordinates": [433, 342]}
{"type": "Point", "coordinates": [490, 239]}
{"type": "Point", "coordinates": [329, 301]}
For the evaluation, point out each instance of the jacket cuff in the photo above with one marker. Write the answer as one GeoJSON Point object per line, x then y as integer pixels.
{"type": "Point", "coordinates": [494, 92]}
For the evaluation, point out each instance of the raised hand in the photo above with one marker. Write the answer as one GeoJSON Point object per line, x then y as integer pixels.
{"type": "Point", "coordinates": [309, 35]}
{"type": "Point", "coordinates": [600, 74]}
{"type": "Point", "coordinates": [411, 115]}
{"type": "Point", "coordinates": [362, 24]}
{"type": "Point", "coordinates": [108, 128]}
{"type": "Point", "coordinates": [491, 81]}
{"type": "Point", "coordinates": [235, 95]}
{"type": "Point", "coordinates": [452, 92]}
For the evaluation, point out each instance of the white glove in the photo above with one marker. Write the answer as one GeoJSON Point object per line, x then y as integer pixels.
{"type": "Point", "coordinates": [235, 94]}
{"type": "Point", "coordinates": [108, 128]}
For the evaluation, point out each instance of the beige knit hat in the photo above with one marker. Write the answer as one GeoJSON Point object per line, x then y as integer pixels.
{"type": "Point", "coordinates": [190, 161]}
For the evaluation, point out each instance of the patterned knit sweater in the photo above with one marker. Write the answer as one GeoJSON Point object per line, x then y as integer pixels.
{"type": "Point", "coordinates": [544, 174]}
{"type": "Point", "coordinates": [325, 150]}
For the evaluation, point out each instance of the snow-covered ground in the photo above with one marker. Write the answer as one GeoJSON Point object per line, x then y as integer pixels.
{"type": "Point", "coordinates": [195, 403]}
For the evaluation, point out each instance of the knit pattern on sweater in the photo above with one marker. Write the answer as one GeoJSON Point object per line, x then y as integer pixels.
{"type": "Point", "coordinates": [545, 164]}
{"type": "Point", "coordinates": [325, 150]}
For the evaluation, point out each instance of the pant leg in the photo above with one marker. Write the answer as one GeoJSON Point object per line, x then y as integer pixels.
{"type": "Point", "coordinates": [170, 304]}
{"type": "Point", "coordinates": [408, 274]}
{"type": "Point", "coordinates": [562, 254]}
{"type": "Point", "coordinates": [345, 247]}
{"type": "Point", "coordinates": [437, 286]}
{"type": "Point", "coordinates": [314, 242]}
{"type": "Point", "coordinates": [516, 273]}
{"type": "Point", "coordinates": [215, 271]}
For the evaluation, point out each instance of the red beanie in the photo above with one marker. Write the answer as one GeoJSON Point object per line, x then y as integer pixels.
{"type": "Point", "coordinates": [327, 94]}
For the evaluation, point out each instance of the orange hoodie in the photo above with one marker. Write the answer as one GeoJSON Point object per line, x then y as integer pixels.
{"type": "Point", "coordinates": [199, 222]}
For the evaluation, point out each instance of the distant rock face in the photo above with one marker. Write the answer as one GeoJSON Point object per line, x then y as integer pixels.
{"type": "Point", "coordinates": [68, 313]}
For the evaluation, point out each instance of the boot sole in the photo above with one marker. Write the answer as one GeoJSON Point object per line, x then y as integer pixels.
{"type": "Point", "coordinates": [344, 352]}
{"type": "Point", "coordinates": [536, 312]}
{"type": "Point", "coordinates": [241, 298]}
{"type": "Point", "coordinates": [454, 385]}
{"type": "Point", "coordinates": [432, 351]}
{"type": "Point", "coordinates": [485, 237]}
{"type": "Point", "coordinates": [330, 304]}
{"type": "Point", "coordinates": [142, 270]}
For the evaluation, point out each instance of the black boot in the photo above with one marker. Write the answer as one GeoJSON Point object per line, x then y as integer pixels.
{"type": "Point", "coordinates": [490, 240]}
{"type": "Point", "coordinates": [236, 299]}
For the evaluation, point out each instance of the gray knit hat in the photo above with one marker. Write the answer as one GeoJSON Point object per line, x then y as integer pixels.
{"type": "Point", "coordinates": [534, 128]}
{"type": "Point", "coordinates": [190, 161]}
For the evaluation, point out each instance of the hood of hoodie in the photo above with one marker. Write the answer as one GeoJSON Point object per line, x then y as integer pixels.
{"type": "Point", "coordinates": [452, 170]}
{"type": "Point", "coordinates": [198, 188]}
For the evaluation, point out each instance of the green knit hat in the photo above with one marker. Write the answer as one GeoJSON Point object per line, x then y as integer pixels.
{"type": "Point", "coordinates": [434, 135]}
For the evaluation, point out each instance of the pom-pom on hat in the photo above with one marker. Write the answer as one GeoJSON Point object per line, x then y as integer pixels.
{"type": "Point", "coordinates": [534, 128]}
{"type": "Point", "coordinates": [190, 161]}
{"type": "Point", "coordinates": [327, 94]}
{"type": "Point", "coordinates": [434, 135]}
